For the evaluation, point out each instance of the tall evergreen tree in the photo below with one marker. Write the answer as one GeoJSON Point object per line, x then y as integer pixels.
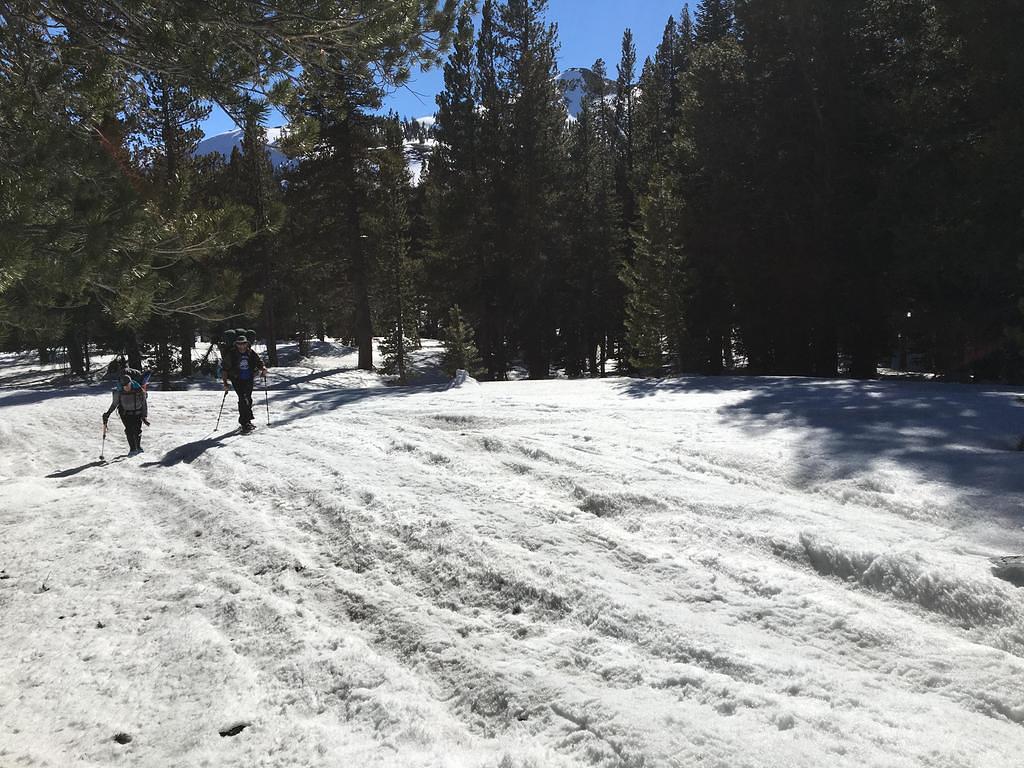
{"type": "Point", "coordinates": [103, 52]}
{"type": "Point", "coordinates": [336, 139]}
{"type": "Point", "coordinates": [715, 20]}
{"type": "Point", "coordinates": [78, 230]}
{"type": "Point", "coordinates": [265, 202]}
{"type": "Point", "coordinates": [387, 223]}
{"type": "Point", "coordinates": [651, 277]}
{"type": "Point", "coordinates": [168, 117]}
{"type": "Point", "coordinates": [592, 319]}
{"type": "Point", "coordinates": [459, 350]}
{"type": "Point", "coordinates": [534, 175]}
{"type": "Point", "coordinates": [457, 191]}
{"type": "Point", "coordinates": [709, 151]}
{"type": "Point", "coordinates": [624, 141]}
{"type": "Point", "coordinates": [496, 331]}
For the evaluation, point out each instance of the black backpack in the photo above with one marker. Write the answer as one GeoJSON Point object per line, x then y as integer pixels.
{"type": "Point", "coordinates": [132, 403]}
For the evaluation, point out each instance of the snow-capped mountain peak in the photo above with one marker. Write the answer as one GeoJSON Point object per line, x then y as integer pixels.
{"type": "Point", "coordinates": [575, 84]}
{"type": "Point", "coordinates": [224, 143]}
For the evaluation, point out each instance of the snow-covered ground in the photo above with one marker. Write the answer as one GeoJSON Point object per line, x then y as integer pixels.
{"type": "Point", "coordinates": [687, 572]}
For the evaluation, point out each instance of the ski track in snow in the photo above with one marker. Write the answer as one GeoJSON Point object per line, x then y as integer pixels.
{"type": "Point", "coordinates": [734, 572]}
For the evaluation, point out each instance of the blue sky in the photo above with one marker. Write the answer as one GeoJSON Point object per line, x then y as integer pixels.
{"type": "Point", "coordinates": [587, 30]}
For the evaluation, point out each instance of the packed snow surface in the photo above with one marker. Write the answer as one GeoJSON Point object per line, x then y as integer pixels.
{"type": "Point", "coordinates": [685, 572]}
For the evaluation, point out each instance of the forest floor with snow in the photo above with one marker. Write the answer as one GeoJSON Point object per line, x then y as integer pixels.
{"type": "Point", "coordinates": [616, 572]}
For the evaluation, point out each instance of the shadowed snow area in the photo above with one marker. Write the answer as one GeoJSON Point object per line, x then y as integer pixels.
{"type": "Point", "coordinates": [685, 572]}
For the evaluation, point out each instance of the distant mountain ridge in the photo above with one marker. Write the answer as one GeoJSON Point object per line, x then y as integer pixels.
{"type": "Point", "coordinates": [224, 143]}
{"type": "Point", "coordinates": [574, 82]}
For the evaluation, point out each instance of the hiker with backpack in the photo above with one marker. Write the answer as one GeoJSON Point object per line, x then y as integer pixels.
{"type": "Point", "coordinates": [240, 366]}
{"type": "Point", "coordinates": [130, 402]}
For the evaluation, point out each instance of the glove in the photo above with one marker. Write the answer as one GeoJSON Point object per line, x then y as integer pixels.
{"type": "Point", "coordinates": [105, 417]}
{"type": "Point", "coordinates": [146, 422]}
{"type": "Point", "coordinates": [225, 386]}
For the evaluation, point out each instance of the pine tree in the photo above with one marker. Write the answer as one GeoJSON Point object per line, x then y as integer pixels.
{"type": "Point", "coordinates": [593, 305]}
{"type": "Point", "coordinates": [387, 223]}
{"type": "Point", "coordinates": [650, 280]}
{"type": "Point", "coordinates": [532, 189]}
{"type": "Point", "coordinates": [496, 323]}
{"type": "Point", "coordinates": [78, 233]}
{"type": "Point", "coordinates": [456, 187]}
{"type": "Point", "coordinates": [657, 110]}
{"type": "Point", "coordinates": [337, 137]}
{"type": "Point", "coordinates": [219, 45]}
{"type": "Point", "coordinates": [714, 21]}
{"type": "Point", "coordinates": [168, 117]}
{"type": "Point", "coordinates": [624, 141]}
{"type": "Point", "coordinates": [460, 353]}
{"type": "Point", "coordinates": [709, 158]}
{"type": "Point", "coordinates": [81, 214]}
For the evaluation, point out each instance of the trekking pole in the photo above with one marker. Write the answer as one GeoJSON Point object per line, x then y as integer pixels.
{"type": "Point", "coordinates": [266, 398]}
{"type": "Point", "coordinates": [221, 410]}
{"type": "Point", "coordinates": [103, 445]}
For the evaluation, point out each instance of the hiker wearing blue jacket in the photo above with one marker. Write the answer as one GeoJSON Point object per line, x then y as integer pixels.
{"type": "Point", "coordinates": [130, 400]}
{"type": "Point", "coordinates": [241, 366]}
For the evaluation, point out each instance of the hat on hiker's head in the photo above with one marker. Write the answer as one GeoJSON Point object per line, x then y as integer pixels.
{"type": "Point", "coordinates": [251, 335]}
{"type": "Point", "coordinates": [125, 380]}
{"type": "Point", "coordinates": [240, 339]}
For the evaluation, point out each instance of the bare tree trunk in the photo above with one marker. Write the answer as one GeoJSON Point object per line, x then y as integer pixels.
{"type": "Point", "coordinates": [75, 356]}
{"type": "Point", "coordinates": [271, 326]}
{"type": "Point", "coordinates": [187, 341]}
{"type": "Point", "coordinates": [363, 324]}
{"type": "Point", "coordinates": [163, 357]}
{"type": "Point", "coordinates": [133, 350]}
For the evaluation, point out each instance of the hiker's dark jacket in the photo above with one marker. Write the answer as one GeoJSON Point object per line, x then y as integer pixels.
{"type": "Point", "coordinates": [231, 363]}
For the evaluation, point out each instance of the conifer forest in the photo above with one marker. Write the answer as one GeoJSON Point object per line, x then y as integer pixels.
{"type": "Point", "coordinates": [786, 187]}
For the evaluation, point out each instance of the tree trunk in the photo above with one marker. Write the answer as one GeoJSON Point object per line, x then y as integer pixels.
{"type": "Point", "coordinates": [592, 358]}
{"type": "Point", "coordinates": [271, 326]}
{"type": "Point", "coordinates": [862, 361]}
{"type": "Point", "coordinates": [187, 343]}
{"type": "Point", "coordinates": [163, 357]}
{"type": "Point", "coordinates": [76, 357]}
{"type": "Point", "coordinates": [363, 326]}
{"type": "Point", "coordinates": [133, 350]}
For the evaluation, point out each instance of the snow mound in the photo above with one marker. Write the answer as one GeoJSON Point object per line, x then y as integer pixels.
{"type": "Point", "coordinates": [906, 576]}
{"type": "Point", "coordinates": [463, 380]}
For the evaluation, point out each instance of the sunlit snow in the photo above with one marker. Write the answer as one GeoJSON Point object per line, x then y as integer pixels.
{"type": "Point", "coordinates": [614, 572]}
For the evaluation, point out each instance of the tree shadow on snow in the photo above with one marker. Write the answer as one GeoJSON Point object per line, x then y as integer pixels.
{"type": "Point", "coordinates": [288, 407]}
{"type": "Point", "coordinates": [27, 395]}
{"type": "Point", "coordinates": [962, 434]}
{"type": "Point", "coordinates": [313, 376]}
